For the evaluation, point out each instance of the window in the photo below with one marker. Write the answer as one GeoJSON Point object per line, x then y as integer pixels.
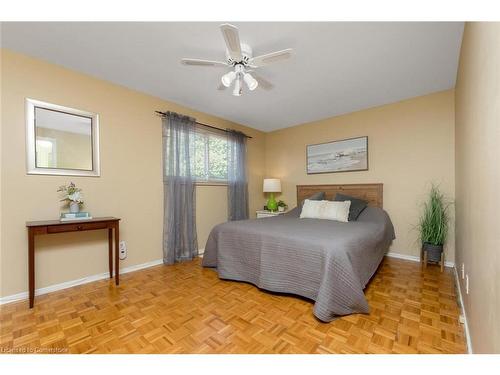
{"type": "Point", "coordinates": [210, 158]}
{"type": "Point", "coordinates": [46, 152]}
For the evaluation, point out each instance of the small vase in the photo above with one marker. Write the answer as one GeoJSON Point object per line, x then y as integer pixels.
{"type": "Point", "coordinates": [74, 207]}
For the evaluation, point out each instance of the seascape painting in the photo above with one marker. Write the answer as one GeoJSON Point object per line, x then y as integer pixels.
{"type": "Point", "coordinates": [338, 156]}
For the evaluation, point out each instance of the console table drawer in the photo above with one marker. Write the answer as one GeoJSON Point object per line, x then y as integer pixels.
{"type": "Point", "coordinates": [75, 227]}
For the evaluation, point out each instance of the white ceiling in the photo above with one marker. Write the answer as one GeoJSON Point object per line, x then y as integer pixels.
{"type": "Point", "coordinates": [337, 67]}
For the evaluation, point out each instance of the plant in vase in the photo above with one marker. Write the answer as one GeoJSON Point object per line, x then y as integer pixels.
{"type": "Point", "coordinates": [282, 206]}
{"type": "Point", "coordinates": [433, 225]}
{"type": "Point", "coordinates": [72, 196]}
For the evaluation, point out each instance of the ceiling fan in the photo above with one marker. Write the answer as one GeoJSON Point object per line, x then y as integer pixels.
{"type": "Point", "coordinates": [242, 63]}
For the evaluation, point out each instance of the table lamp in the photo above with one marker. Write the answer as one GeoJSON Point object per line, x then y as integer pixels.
{"type": "Point", "coordinates": [272, 185]}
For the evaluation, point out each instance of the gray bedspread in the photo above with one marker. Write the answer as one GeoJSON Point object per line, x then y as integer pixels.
{"type": "Point", "coordinates": [329, 262]}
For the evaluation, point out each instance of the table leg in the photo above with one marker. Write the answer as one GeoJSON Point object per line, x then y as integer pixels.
{"type": "Point", "coordinates": [31, 266]}
{"type": "Point", "coordinates": [117, 254]}
{"type": "Point", "coordinates": [110, 253]}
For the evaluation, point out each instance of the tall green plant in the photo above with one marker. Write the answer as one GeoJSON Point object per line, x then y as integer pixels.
{"type": "Point", "coordinates": [433, 225]}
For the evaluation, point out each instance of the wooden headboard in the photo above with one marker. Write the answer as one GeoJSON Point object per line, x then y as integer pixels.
{"type": "Point", "coordinates": [373, 193]}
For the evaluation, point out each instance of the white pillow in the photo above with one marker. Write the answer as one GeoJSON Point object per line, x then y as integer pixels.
{"type": "Point", "coordinates": [327, 210]}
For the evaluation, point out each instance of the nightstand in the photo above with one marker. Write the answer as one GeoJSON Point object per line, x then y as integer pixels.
{"type": "Point", "coordinates": [264, 213]}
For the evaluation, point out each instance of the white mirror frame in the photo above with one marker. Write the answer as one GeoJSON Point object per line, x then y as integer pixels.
{"type": "Point", "coordinates": [31, 141]}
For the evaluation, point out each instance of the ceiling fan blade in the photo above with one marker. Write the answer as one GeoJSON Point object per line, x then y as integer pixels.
{"type": "Point", "coordinates": [232, 39]}
{"type": "Point", "coordinates": [263, 83]}
{"type": "Point", "coordinates": [270, 58]}
{"type": "Point", "coordinates": [198, 62]}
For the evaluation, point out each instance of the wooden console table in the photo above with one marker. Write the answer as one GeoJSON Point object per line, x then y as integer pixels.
{"type": "Point", "coordinates": [56, 226]}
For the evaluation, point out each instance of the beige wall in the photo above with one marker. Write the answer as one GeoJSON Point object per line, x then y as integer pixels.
{"type": "Point", "coordinates": [130, 185]}
{"type": "Point", "coordinates": [211, 209]}
{"type": "Point", "coordinates": [478, 181]}
{"type": "Point", "coordinates": [411, 145]}
{"type": "Point", "coordinates": [1, 128]}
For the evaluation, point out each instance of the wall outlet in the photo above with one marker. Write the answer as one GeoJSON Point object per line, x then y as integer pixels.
{"type": "Point", "coordinates": [123, 250]}
{"type": "Point", "coordinates": [463, 271]}
{"type": "Point", "coordinates": [466, 284]}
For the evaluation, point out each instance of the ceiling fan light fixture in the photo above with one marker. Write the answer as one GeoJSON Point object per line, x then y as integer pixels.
{"type": "Point", "coordinates": [228, 78]}
{"type": "Point", "coordinates": [241, 61]}
{"type": "Point", "coordinates": [250, 81]}
{"type": "Point", "coordinates": [237, 87]}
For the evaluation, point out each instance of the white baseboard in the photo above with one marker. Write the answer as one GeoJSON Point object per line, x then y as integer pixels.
{"type": "Point", "coordinates": [415, 258]}
{"type": "Point", "coordinates": [462, 307]}
{"type": "Point", "coordinates": [69, 284]}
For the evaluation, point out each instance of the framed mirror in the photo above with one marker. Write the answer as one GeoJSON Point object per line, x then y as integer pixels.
{"type": "Point", "coordinates": [61, 140]}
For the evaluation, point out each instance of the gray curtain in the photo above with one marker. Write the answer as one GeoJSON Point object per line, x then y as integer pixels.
{"type": "Point", "coordinates": [179, 221]}
{"type": "Point", "coordinates": [237, 187]}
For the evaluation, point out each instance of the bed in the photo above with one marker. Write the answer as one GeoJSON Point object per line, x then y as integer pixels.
{"type": "Point", "coordinates": [327, 261]}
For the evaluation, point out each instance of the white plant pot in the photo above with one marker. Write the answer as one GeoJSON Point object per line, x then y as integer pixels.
{"type": "Point", "coordinates": [281, 208]}
{"type": "Point", "coordinates": [74, 207]}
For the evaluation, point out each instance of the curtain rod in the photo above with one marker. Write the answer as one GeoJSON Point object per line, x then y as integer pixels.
{"type": "Point", "coordinates": [202, 124]}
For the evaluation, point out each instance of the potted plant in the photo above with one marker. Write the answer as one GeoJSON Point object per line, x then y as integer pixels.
{"type": "Point", "coordinates": [433, 225]}
{"type": "Point", "coordinates": [282, 206]}
{"type": "Point", "coordinates": [73, 196]}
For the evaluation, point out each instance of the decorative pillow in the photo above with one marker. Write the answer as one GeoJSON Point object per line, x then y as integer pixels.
{"type": "Point", "coordinates": [357, 205]}
{"type": "Point", "coordinates": [327, 210]}
{"type": "Point", "coordinates": [319, 196]}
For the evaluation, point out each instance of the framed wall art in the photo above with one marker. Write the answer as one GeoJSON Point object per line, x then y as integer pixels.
{"type": "Point", "coordinates": [346, 155]}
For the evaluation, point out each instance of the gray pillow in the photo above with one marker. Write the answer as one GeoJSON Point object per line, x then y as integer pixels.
{"type": "Point", "coordinates": [357, 205]}
{"type": "Point", "coordinates": [319, 196]}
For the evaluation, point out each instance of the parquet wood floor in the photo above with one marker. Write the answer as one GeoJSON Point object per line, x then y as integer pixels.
{"type": "Point", "coordinates": [187, 309]}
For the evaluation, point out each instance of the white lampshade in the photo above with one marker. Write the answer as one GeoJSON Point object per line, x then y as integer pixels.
{"type": "Point", "coordinates": [272, 185]}
{"type": "Point", "coordinates": [228, 78]}
{"type": "Point", "coordinates": [250, 81]}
